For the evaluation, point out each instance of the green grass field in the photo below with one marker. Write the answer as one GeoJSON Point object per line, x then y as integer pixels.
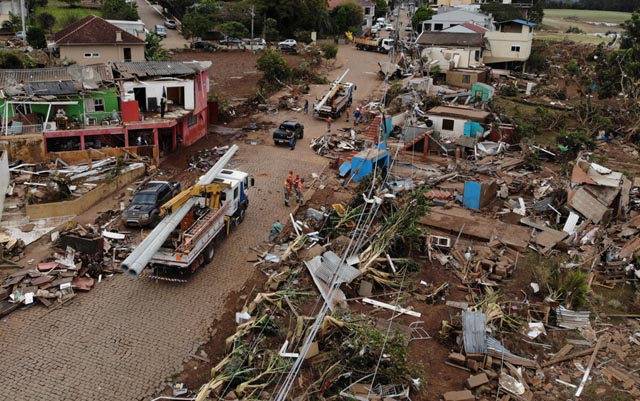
{"type": "Point", "coordinates": [556, 22]}
{"type": "Point", "coordinates": [588, 15]}
{"type": "Point", "coordinates": [65, 15]}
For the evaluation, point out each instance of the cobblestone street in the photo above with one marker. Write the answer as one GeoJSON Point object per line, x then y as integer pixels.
{"type": "Point", "coordinates": [126, 338]}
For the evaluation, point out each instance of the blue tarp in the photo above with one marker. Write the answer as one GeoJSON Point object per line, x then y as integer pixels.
{"type": "Point", "coordinates": [472, 191]}
{"type": "Point", "coordinates": [344, 169]}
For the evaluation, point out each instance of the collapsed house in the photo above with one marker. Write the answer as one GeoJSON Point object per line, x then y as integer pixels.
{"type": "Point", "coordinates": [77, 108]}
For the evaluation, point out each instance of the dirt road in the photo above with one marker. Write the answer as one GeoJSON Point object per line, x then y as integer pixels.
{"type": "Point", "coordinates": [127, 338]}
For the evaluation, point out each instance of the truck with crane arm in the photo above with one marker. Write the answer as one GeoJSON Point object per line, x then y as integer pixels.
{"type": "Point", "coordinates": [336, 100]}
{"type": "Point", "coordinates": [193, 222]}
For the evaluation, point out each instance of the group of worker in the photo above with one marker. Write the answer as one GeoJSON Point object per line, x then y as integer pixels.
{"type": "Point", "coordinates": [293, 185]}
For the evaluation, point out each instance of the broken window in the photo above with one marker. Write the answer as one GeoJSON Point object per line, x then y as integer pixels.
{"type": "Point", "coordinates": [447, 125]}
{"type": "Point", "coordinates": [193, 120]}
{"type": "Point", "coordinates": [98, 104]}
{"type": "Point", "coordinates": [21, 109]}
{"type": "Point", "coordinates": [466, 79]}
{"type": "Point", "coordinates": [477, 55]}
{"type": "Point", "coordinates": [515, 48]}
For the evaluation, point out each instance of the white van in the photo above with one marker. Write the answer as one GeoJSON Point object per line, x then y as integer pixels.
{"type": "Point", "coordinates": [161, 31]}
{"type": "Point", "coordinates": [381, 21]}
{"type": "Point", "coordinates": [258, 44]}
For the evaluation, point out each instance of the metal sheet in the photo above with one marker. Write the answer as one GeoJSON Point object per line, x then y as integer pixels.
{"type": "Point", "coordinates": [95, 72]}
{"type": "Point", "coordinates": [67, 87]}
{"type": "Point", "coordinates": [572, 319]}
{"type": "Point", "coordinates": [144, 69]}
{"type": "Point", "coordinates": [587, 205]}
{"type": "Point", "coordinates": [474, 332]}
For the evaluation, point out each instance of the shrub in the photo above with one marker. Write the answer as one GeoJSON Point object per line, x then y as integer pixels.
{"type": "Point", "coordinates": [509, 91]}
{"type": "Point", "coordinates": [574, 141]}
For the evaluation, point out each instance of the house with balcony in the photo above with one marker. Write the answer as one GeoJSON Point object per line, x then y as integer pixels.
{"type": "Point", "coordinates": [106, 106]}
{"type": "Point", "coordinates": [93, 40]}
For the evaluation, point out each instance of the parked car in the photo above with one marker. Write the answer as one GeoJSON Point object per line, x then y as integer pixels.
{"type": "Point", "coordinates": [408, 28]}
{"type": "Point", "coordinates": [288, 42]}
{"type": "Point", "coordinates": [255, 44]}
{"type": "Point", "coordinates": [282, 132]}
{"type": "Point", "coordinates": [375, 29]}
{"type": "Point", "coordinates": [287, 49]}
{"type": "Point", "coordinates": [171, 24]}
{"type": "Point", "coordinates": [389, 27]}
{"type": "Point", "coordinates": [232, 42]}
{"type": "Point", "coordinates": [161, 31]}
{"type": "Point", "coordinates": [201, 44]}
{"type": "Point", "coordinates": [144, 209]}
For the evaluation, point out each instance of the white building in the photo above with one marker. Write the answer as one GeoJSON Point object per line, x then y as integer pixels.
{"type": "Point", "coordinates": [450, 18]}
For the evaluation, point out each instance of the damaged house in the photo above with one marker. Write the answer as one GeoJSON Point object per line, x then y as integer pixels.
{"type": "Point", "coordinates": [98, 106]}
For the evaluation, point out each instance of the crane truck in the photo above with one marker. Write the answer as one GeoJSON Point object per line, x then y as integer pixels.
{"type": "Point", "coordinates": [193, 222]}
{"type": "Point", "coordinates": [336, 100]}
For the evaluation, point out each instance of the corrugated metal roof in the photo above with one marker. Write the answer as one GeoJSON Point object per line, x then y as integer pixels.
{"type": "Point", "coordinates": [52, 88]}
{"type": "Point", "coordinates": [145, 69]}
{"type": "Point", "coordinates": [328, 265]}
{"type": "Point", "coordinates": [572, 319]}
{"type": "Point", "coordinates": [91, 73]}
{"type": "Point", "coordinates": [474, 325]}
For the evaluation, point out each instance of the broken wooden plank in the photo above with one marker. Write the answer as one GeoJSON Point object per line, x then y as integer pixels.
{"type": "Point", "coordinates": [391, 307]}
{"type": "Point", "coordinates": [589, 366]}
{"type": "Point", "coordinates": [569, 357]}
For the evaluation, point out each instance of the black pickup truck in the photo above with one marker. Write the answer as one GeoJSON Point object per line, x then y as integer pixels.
{"type": "Point", "coordinates": [282, 132]}
{"type": "Point", "coordinates": [144, 209]}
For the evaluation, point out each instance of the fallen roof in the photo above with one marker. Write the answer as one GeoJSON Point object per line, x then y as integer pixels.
{"type": "Point", "coordinates": [459, 39]}
{"type": "Point", "coordinates": [518, 21]}
{"type": "Point", "coordinates": [94, 72]}
{"type": "Point", "coordinates": [66, 87]}
{"type": "Point", "coordinates": [94, 30]}
{"type": "Point", "coordinates": [146, 69]}
{"type": "Point", "coordinates": [460, 112]}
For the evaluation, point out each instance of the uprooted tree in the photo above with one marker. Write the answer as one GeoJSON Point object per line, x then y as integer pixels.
{"type": "Point", "coordinates": [618, 74]}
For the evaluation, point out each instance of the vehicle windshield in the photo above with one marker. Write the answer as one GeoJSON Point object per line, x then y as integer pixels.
{"type": "Point", "coordinates": [144, 199]}
{"type": "Point", "coordinates": [285, 126]}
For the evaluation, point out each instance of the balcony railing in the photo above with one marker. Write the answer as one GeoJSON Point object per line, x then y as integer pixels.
{"type": "Point", "coordinates": [91, 120]}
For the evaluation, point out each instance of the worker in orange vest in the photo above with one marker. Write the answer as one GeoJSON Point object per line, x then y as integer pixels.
{"type": "Point", "coordinates": [298, 185]}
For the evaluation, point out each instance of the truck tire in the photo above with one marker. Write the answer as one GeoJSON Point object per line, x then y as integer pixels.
{"type": "Point", "coordinates": [209, 252]}
{"type": "Point", "coordinates": [241, 214]}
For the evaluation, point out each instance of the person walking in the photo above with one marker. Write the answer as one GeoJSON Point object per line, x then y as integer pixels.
{"type": "Point", "coordinates": [292, 139]}
{"type": "Point", "coordinates": [276, 228]}
{"type": "Point", "coordinates": [348, 111]}
{"type": "Point", "coordinates": [329, 121]}
{"type": "Point", "coordinates": [357, 115]}
{"type": "Point", "coordinates": [306, 106]}
{"type": "Point", "coordinates": [299, 183]}
{"type": "Point", "coordinates": [163, 106]}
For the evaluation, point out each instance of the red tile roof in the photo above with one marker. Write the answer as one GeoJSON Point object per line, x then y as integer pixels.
{"type": "Point", "coordinates": [95, 31]}
{"type": "Point", "coordinates": [474, 27]}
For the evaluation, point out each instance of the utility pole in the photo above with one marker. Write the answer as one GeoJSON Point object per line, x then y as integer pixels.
{"type": "Point", "coordinates": [24, 29]}
{"type": "Point", "coordinates": [253, 14]}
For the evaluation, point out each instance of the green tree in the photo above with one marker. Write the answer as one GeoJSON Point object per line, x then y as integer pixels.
{"type": "Point", "coordinates": [46, 21]}
{"type": "Point", "coordinates": [11, 60]}
{"type": "Point", "coordinates": [273, 66]}
{"type": "Point", "coordinates": [233, 29]}
{"type": "Point", "coordinates": [500, 12]}
{"type": "Point", "coordinates": [13, 24]}
{"type": "Point", "coordinates": [119, 9]}
{"type": "Point", "coordinates": [153, 50]}
{"type": "Point", "coordinates": [200, 19]}
{"type": "Point", "coordinates": [423, 13]}
{"type": "Point", "coordinates": [36, 37]}
{"type": "Point", "coordinates": [271, 32]}
{"type": "Point", "coordinates": [347, 17]}
{"type": "Point", "coordinates": [72, 3]}
{"type": "Point", "coordinates": [536, 13]}
{"type": "Point", "coordinates": [381, 8]}
{"type": "Point", "coordinates": [329, 51]}
{"type": "Point", "coordinates": [294, 15]}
